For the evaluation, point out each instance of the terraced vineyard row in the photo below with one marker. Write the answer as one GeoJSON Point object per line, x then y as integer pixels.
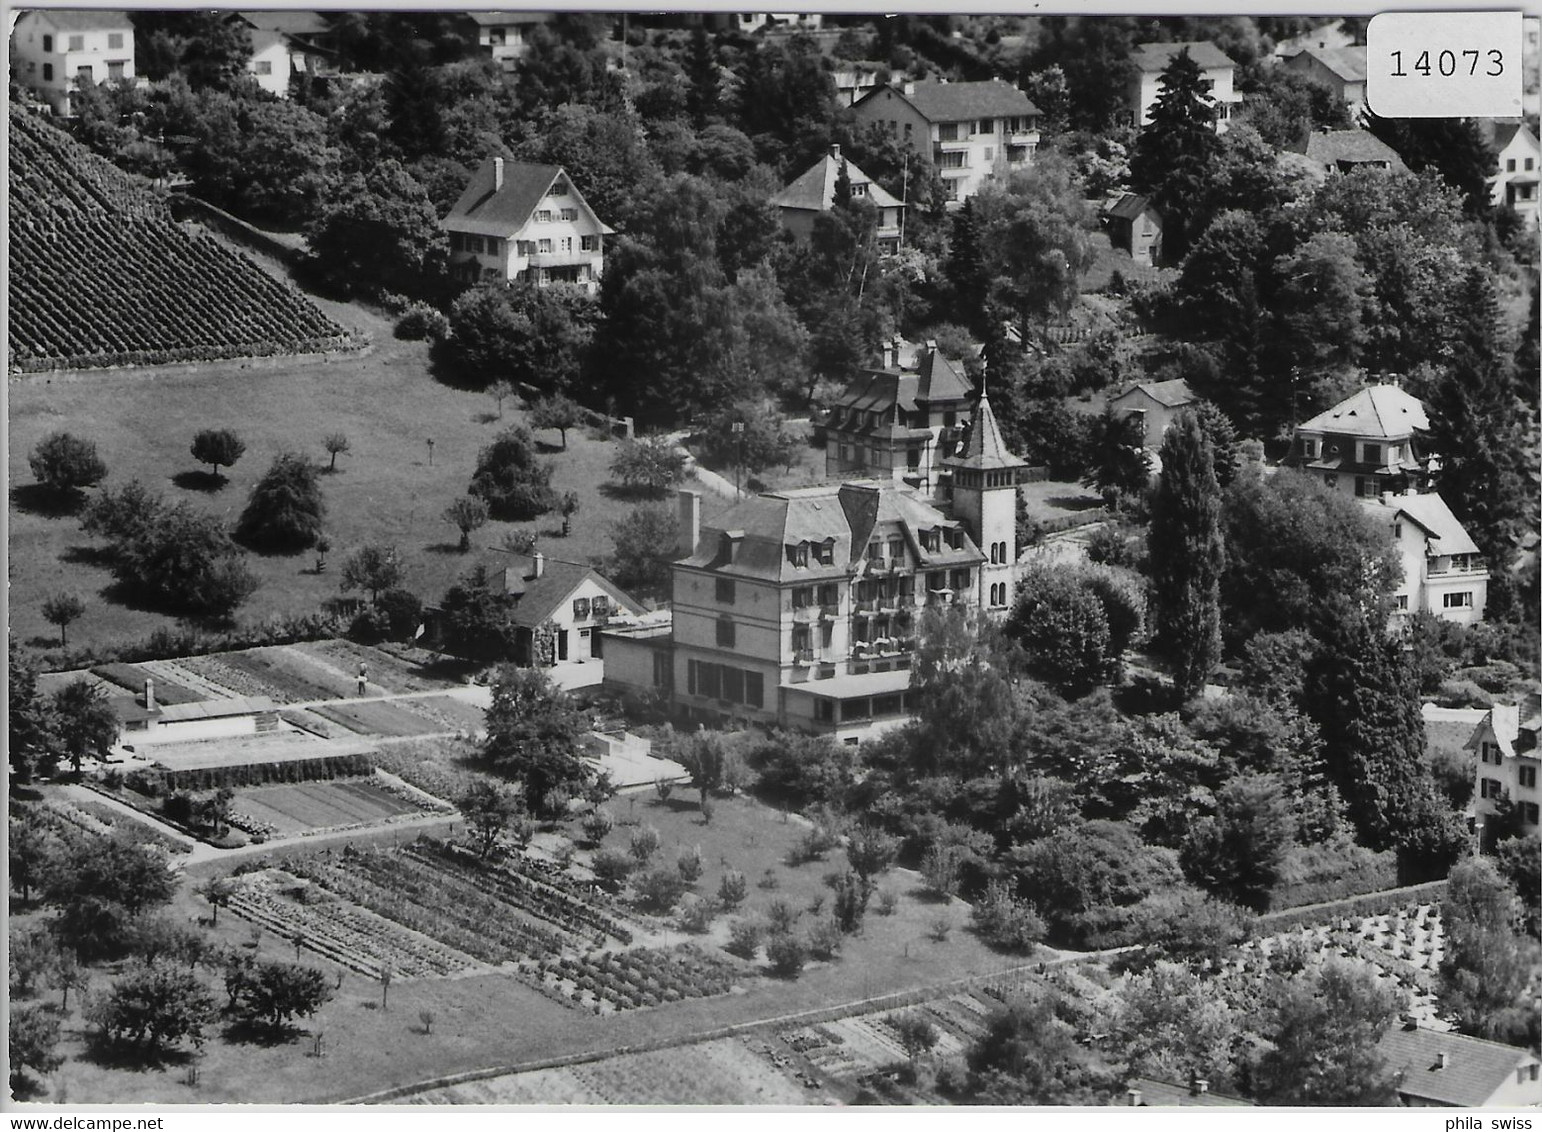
{"type": "Point", "coordinates": [102, 275]}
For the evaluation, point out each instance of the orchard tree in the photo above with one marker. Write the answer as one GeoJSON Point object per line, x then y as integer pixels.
{"type": "Point", "coordinates": [489, 808]}
{"type": "Point", "coordinates": [286, 508]}
{"type": "Point", "coordinates": [557, 411]}
{"type": "Point", "coordinates": [182, 560]}
{"type": "Point", "coordinates": [468, 514]}
{"type": "Point", "coordinates": [34, 1042]}
{"type": "Point", "coordinates": [649, 467]}
{"type": "Point", "coordinates": [1188, 554]}
{"type": "Point", "coordinates": [64, 464]}
{"type": "Point", "coordinates": [646, 542]}
{"type": "Point", "coordinates": [153, 1008]}
{"type": "Point", "coordinates": [533, 730]}
{"type": "Point", "coordinates": [336, 444]}
{"type": "Point", "coordinates": [61, 610]}
{"type": "Point", "coordinates": [271, 994]}
{"type": "Point", "coordinates": [1174, 152]}
{"type": "Point", "coordinates": [219, 448]}
{"type": "Point", "coordinates": [373, 568]}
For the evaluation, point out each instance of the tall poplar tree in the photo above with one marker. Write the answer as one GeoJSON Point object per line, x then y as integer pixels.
{"type": "Point", "coordinates": [1174, 153]}
{"type": "Point", "coordinates": [1188, 554]}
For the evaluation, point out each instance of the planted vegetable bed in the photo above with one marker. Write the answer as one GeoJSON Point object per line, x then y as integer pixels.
{"type": "Point", "coordinates": [627, 980]}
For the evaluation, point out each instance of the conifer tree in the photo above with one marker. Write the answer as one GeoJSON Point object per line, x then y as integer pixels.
{"type": "Point", "coordinates": [1173, 155]}
{"type": "Point", "coordinates": [704, 94]}
{"type": "Point", "coordinates": [1188, 554]}
{"type": "Point", "coordinates": [1473, 426]}
{"type": "Point", "coordinates": [843, 193]}
{"type": "Point", "coordinates": [965, 267]}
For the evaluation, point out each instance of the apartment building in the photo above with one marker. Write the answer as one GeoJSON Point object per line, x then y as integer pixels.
{"type": "Point", "coordinates": [972, 132]}
{"type": "Point", "coordinates": [52, 50]}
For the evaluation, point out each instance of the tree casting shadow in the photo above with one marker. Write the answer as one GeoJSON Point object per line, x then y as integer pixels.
{"type": "Point", "coordinates": [47, 502]}
{"type": "Point", "coordinates": [206, 482]}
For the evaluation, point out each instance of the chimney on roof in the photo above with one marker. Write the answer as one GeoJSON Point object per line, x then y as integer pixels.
{"type": "Point", "coordinates": [497, 174]}
{"type": "Point", "coordinates": [149, 694]}
{"type": "Point", "coordinates": [1198, 1086]}
{"type": "Point", "coordinates": [1134, 1095]}
{"type": "Point", "coordinates": [689, 529]}
{"type": "Point", "coordinates": [909, 87]}
{"type": "Point", "coordinates": [835, 151]}
{"type": "Point", "coordinates": [1442, 1060]}
{"type": "Point", "coordinates": [931, 345]}
{"type": "Point", "coordinates": [537, 564]}
{"type": "Point", "coordinates": [1410, 1022]}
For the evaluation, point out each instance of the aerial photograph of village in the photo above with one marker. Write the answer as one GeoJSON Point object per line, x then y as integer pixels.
{"type": "Point", "coordinates": [767, 559]}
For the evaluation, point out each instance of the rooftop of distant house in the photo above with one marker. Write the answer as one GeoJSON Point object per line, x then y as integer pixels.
{"type": "Point", "coordinates": [287, 22]}
{"type": "Point", "coordinates": [543, 585]}
{"type": "Point", "coordinates": [1375, 412]}
{"type": "Point", "coordinates": [1347, 63]}
{"type": "Point", "coordinates": [815, 189]}
{"type": "Point", "coordinates": [1128, 206]}
{"type": "Point", "coordinates": [1448, 1068]}
{"type": "Point", "coordinates": [1156, 57]}
{"type": "Point", "coordinates": [1174, 394]}
{"type": "Point", "coordinates": [951, 102]}
{"type": "Point", "coordinates": [1351, 147]}
{"type": "Point", "coordinates": [1431, 514]}
{"type": "Point", "coordinates": [74, 19]}
{"type": "Point", "coordinates": [502, 194]}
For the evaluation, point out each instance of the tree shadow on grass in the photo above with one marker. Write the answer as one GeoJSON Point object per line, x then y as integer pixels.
{"type": "Point", "coordinates": [99, 557]}
{"type": "Point", "coordinates": [47, 502]}
{"type": "Point", "coordinates": [1074, 502]}
{"type": "Point", "coordinates": [445, 548]}
{"type": "Point", "coordinates": [924, 895]}
{"type": "Point", "coordinates": [631, 493]}
{"type": "Point", "coordinates": [546, 449]}
{"type": "Point", "coordinates": [485, 418]}
{"type": "Point", "coordinates": [120, 1055]}
{"type": "Point", "coordinates": [244, 1031]}
{"type": "Point", "coordinates": [44, 643]}
{"type": "Point", "coordinates": [206, 482]}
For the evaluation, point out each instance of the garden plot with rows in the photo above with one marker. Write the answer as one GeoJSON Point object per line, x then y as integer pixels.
{"type": "Point", "coordinates": [440, 910]}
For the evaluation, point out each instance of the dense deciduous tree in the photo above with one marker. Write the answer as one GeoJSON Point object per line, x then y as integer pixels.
{"type": "Point", "coordinates": [533, 729]}
{"type": "Point", "coordinates": [1169, 1023]}
{"type": "Point", "coordinates": [378, 231]}
{"type": "Point", "coordinates": [1455, 148]}
{"type": "Point", "coordinates": [479, 618]}
{"type": "Point", "coordinates": [1033, 240]}
{"type": "Point", "coordinates": [84, 721]}
{"type": "Point", "coordinates": [286, 508]}
{"type": "Point", "coordinates": [64, 463]}
{"type": "Point", "coordinates": [1116, 461]}
{"type": "Point", "coordinates": [1063, 627]}
{"type": "Point", "coordinates": [1188, 554]}
{"type": "Point", "coordinates": [510, 480]}
{"type": "Point", "coordinates": [153, 1008]}
{"type": "Point", "coordinates": [1488, 963]}
{"type": "Point", "coordinates": [559, 412]}
{"type": "Point", "coordinates": [648, 467]}
{"type": "Point", "coordinates": [374, 569]}
{"type": "Point", "coordinates": [489, 808]}
{"type": "Point", "coordinates": [1027, 1055]}
{"type": "Point", "coordinates": [646, 542]}
{"type": "Point", "coordinates": [34, 1042]}
{"type": "Point", "coordinates": [1324, 1029]}
{"type": "Point", "coordinates": [537, 335]}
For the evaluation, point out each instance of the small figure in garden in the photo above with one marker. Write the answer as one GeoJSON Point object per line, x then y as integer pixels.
{"type": "Point", "coordinates": [363, 678]}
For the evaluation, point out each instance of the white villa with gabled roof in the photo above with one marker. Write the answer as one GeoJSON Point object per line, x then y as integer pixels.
{"type": "Point", "coordinates": [522, 222]}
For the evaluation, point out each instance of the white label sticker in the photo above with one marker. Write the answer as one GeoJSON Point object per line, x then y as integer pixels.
{"type": "Point", "coordinates": [1444, 65]}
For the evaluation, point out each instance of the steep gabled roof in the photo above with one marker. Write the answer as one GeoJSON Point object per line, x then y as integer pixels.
{"type": "Point", "coordinates": [984, 449]}
{"type": "Point", "coordinates": [938, 379]}
{"type": "Point", "coordinates": [485, 209]}
{"type": "Point", "coordinates": [815, 189]}
{"type": "Point", "coordinates": [1348, 63]}
{"type": "Point", "coordinates": [543, 596]}
{"type": "Point", "coordinates": [1155, 57]}
{"type": "Point", "coordinates": [1376, 412]}
{"type": "Point", "coordinates": [1471, 1071]}
{"type": "Point", "coordinates": [952, 102]}
{"type": "Point", "coordinates": [1129, 206]}
{"type": "Point", "coordinates": [1447, 535]}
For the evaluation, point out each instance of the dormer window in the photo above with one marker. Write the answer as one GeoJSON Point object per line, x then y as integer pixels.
{"type": "Point", "coordinates": [797, 554]}
{"type": "Point", "coordinates": [931, 540]}
{"type": "Point", "coordinates": [827, 552]}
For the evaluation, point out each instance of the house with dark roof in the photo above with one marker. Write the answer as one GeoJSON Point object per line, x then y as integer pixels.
{"type": "Point", "coordinates": [1508, 756]}
{"type": "Point", "coordinates": [1514, 182]}
{"type": "Point", "coordinates": [53, 48]}
{"type": "Point", "coordinates": [1344, 151]}
{"type": "Point", "coordinates": [559, 611]}
{"type": "Point", "coordinates": [972, 132]}
{"type": "Point", "coordinates": [1134, 225]}
{"type": "Point", "coordinates": [1448, 1070]}
{"type": "Point", "coordinates": [1151, 59]}
{"type": "Point", "coordinates": [1155, 403]}
{"type": "Point", "coordinates": [1340, 69]}
{"type": "Point", "coordinates": [519, 221]}
{"type": "Point", "coordinates": [1443, 571]}
{"type": "Point", "coordinates": [897, 421]}
{"type": "Point", "coordinates": [1330, 33]}
{"type": "Point", "coordinates": [286, 43]}
{"type": "Point", "coordinates": [1366, 444]}
{"type": "Point", "coordinates": [813, 192]}
{"type": "Point", "coordinates": [799, 608]}
{"type": "Point", "coordinates": [502, 35]}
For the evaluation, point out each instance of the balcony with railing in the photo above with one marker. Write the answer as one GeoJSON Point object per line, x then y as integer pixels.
{"type": "Point", "coordinates": [1455, 566]}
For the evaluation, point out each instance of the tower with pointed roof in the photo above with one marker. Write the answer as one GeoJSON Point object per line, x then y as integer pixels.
{"type": "Point", "coordinates": [985, 500]}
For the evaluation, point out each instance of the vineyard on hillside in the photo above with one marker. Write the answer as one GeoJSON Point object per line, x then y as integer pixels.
{"type": "Point", "coordinates": [101, 275]}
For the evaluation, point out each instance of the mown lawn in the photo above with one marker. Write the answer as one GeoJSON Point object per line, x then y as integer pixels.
{"type": "Point", "coordinates": [385, 489]}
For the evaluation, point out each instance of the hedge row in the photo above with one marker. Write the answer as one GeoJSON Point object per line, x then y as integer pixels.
{"type": "Point", "coordinates": [167, 644]}
{"type": "Point", "coordinates": [1370, 904]}
{"type": "Point", "coordinates": [156, 783]}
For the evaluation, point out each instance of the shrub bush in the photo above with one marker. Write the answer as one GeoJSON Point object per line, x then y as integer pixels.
{"type": "Point", "coordinates": [611, 868]}
{"type": "Point", "coordinates": [658, 890]}
{"type": "Point", "coordinates": [421, 321]}
{"type": "Point", "coordinates": [824, 939]}
{"type": "Point", "coordinates": [732, 889]}
{"type": "Point", "coordinates": [696, 916]}
{"type": "Point", "coordinates": [744, 938]}
{"type": "Point", "coordinates": [786, 954]}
